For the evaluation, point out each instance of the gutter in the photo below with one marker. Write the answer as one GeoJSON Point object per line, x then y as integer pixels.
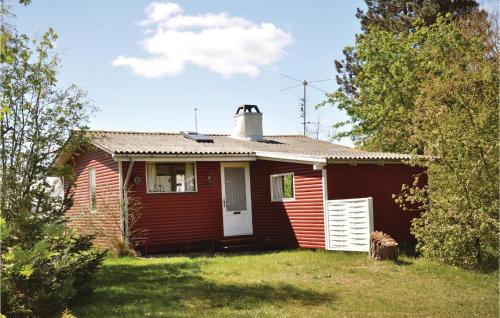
{"type": "Point", "coordinates": [185, 157]}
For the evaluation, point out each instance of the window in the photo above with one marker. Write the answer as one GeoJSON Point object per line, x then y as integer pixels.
{"type": "Point", "coordinates": [282, 187]}
{"type": "Point", "coordinates": [92, 190]}
{"type": "Point", "coordinates": [171, 177]}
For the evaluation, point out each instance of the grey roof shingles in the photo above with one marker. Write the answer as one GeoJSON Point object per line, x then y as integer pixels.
{"type": "Point", "coordinates": [158, 143]}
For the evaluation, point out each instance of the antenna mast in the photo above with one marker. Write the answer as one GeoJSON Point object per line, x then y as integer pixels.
{"type": "Point", "coordinates": [195, 120]}
{"type": "Point", "coordinates": [305, 83]}
{"type": "Point", "coordinates": [304, 109]}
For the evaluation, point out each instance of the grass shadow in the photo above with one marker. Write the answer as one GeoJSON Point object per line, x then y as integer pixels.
{"type": "Point", "coordinates": [401, 262]}
{"type": "Point", "coordinates": [209, 254]}
{"type": "Point", "coordinates": [133, 291]}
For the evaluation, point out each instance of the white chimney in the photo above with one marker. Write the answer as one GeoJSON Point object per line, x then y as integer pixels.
{"type": "Point", "coordinates": [248, 123]}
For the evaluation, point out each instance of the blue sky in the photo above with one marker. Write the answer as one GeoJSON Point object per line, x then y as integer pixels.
{"type": "Point", "coordinates": [144, 90]}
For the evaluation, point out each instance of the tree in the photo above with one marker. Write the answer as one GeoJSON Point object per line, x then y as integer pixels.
{"type": "Point", "coordinates": [457, 115]}
{"type": "Point", "coordinates": [6, 30]}
{"type": "Point", "coordinates": [434, 91]}
{"type": "Point", "coordinates": [37, 123]}
{"type": "Point", "coordinates": [400, 15]}
{"type": "Point", "coordinates": [369, 120]}
{"type": "Point", "coordinates": [44, 263]}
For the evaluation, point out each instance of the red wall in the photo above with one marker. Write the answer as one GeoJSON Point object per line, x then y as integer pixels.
{"type": "Point", "coordinates": [186, 217]}
{"type": "Point", "coordinates": [293, 223]}
{"type": "Point", "coordinates": [181, 217]}
{"type": "Point", "coordinates": [107, 214]}
{"type": "Point", "coordinates": [379, 182]}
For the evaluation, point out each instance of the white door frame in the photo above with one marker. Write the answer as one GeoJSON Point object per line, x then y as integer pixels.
{"type": "Point", "coordinates": [248, 212]}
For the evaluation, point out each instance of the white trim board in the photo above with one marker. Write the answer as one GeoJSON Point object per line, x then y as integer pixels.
{"type": "Point", "coordinates": [293, 186]}
{"type": "Point", "coordinates": [286, 157]}
{"type": "Point", "coordinates": [182, 158]}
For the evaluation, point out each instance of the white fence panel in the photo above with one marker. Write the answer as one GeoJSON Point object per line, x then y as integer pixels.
{"type": "Point", "coordinates": [349, 224]}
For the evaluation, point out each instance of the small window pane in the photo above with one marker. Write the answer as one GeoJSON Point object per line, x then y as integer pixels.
{"type": "Point", "coordinates": [171, 177]}
{"type": "Point", "coordinates": [236, 198]}
{"type": "Point", "coordinates": [92, 190]}
{"type": "Point", "coordinates": [282, 187]}
{"type": "Point", "coordinates": [288, 186]}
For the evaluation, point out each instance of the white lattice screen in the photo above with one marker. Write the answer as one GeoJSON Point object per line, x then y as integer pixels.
{"type": "Point", "coordinates": [349, 224]}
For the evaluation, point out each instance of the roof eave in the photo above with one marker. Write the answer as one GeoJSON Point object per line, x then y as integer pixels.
{"type": "Point", "coordinates": [288, 157]}
{"type": "Point", "coordinates": [185, 157]}
{"type": "Point", "coordinates": [354, 161]}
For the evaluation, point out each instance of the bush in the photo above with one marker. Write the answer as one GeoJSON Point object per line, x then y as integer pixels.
{"type": "Point", "coordinates": [42, 277]}
{"type": "Point", "coordinates": [67, 314]}
{"type": "Point", "coordinates": [118, 248]}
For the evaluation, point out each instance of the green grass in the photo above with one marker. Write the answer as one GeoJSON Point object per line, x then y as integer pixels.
{"type": "Point", "coordinates": [288, 284]}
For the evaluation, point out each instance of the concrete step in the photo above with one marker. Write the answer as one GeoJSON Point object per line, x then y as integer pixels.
{"type": "Point", "coordinates": [243, 243]}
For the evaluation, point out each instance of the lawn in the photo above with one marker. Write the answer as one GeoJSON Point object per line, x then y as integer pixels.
{"type": "Point", "coordinates": [288, 284]}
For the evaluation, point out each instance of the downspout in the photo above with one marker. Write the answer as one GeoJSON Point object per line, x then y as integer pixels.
{"type": "Point", "coordinates": [326, 216]}
{"type": "Point", "coordinates": [124, 195]}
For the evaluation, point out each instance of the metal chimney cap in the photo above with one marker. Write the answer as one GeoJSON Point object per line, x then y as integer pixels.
{"type": "Point", "coordinates": [247, 109]}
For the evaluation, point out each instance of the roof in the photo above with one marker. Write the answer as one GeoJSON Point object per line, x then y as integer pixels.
{"type": "Point", "coordinates": [123, 143]}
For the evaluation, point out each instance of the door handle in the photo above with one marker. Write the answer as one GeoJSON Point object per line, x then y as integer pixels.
{"type": "Point", "coordinates": [224, 202]}
{"type": "Point", "coordinates": [238, 212]}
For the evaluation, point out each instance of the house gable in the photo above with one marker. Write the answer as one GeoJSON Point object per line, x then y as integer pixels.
{"type": "Point", "coordinates": [107, 192]}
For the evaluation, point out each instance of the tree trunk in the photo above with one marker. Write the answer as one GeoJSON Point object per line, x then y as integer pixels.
{"type": "Point", "coordinates": [382, 246]}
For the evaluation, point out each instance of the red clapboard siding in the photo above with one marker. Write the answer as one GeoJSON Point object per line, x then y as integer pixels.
{"type": "Point", "coordinates": [172, 218]}
{"type": "Point", "coordinates": [292, 223]}
{"type": "Point", "coordinates": [379, 182]}
{"type": "Point", "coordinates": [107, 190]}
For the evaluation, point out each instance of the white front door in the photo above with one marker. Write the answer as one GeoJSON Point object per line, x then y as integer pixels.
{"type": "Point", "coordinates": [236, 201]}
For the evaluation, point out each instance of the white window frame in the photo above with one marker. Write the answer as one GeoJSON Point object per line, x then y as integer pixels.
{"type": "Point", "coordinates": [93, 209]}
{"type": "Point", "coordinates": [195, 167]}
{"type": "Point", "coordinates": [271, 186]}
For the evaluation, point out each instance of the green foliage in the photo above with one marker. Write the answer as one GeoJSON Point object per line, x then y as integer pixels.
{"type": "Point", "coordinates": [457, 116]}
{"type": "Point", "coordinates": [401, 15]}
{"type": "Point", "coordinates": [42, 276]}
{"type": "Point", "coordinates": [288, 186]}
{"type": "Point", "coordinates": [38, 122]}
{"type": "Point", "coordinates": [44, 263]}
{"type": "Point", "coordinates": [368, 117]}
{"type": "Point", "coordinates": [434, 91]}
{"type": "Point", "coordinates": [67, 314]}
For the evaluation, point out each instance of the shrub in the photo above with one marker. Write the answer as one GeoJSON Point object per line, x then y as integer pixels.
{"type": "Point", "coordinates": [118, 248]}
{"type": "Point", "coordinates": [40, 278]}
{"type": "Point", "coordinates": [67, 314]}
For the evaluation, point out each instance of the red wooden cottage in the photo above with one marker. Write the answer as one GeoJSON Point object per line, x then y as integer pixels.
{"type": "Point", "coordinates": [196, 188]}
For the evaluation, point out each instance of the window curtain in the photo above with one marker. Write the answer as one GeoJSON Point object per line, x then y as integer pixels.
{"type": "Point", "coordinates": [277, 188]}
{"type": "Point", "coordinates": [163, 183]}
{"type": "Point", "coordinates": [151, 173]}
{"type": "Point", "coordinates": [189, 177]}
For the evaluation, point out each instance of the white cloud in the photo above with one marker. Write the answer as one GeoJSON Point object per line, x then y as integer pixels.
{"type": "Point", "coordinates": [224, 44]}
{"type": "Point", "coordinates": [159, 11]}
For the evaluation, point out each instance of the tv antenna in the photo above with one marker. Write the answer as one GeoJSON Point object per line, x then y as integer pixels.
{"type": "Point", "coordinates": [305, 83]}
{"type": "Point", "coordinates": [317, 126]}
